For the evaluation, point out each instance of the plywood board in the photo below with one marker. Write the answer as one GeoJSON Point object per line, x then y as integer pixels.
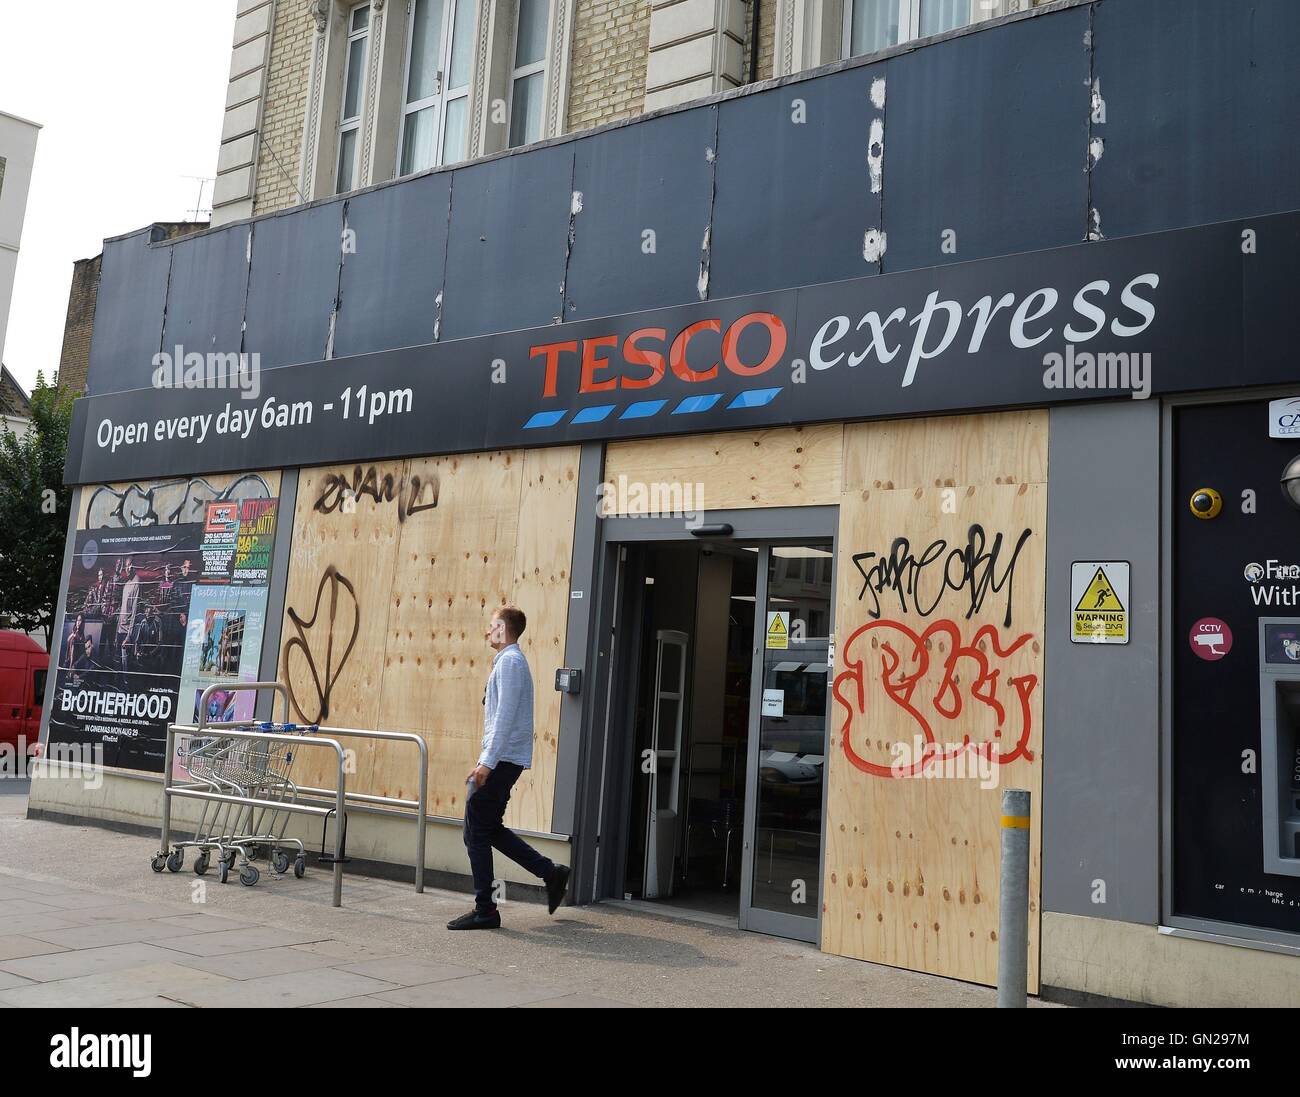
{"type": "Point", "coordinates": [453, 567]}
{"type": "Point", "coordinates": [429, 548]}
{"type": "Point", "coordinates": [543, 558]}
{"type": "Point", "coordinates": [937, 707]}
{"type": "Point", "coordinates": [345, 533]}
{"type": "Point", "coordinates": [171, 501]}
{"type": "Point", "coordinates": [781, 467]}
{"type": "Point", "coordinates": [1007, 447]}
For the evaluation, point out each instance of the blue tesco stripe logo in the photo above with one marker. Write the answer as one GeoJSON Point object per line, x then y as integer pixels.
{"type": "Point", "coordinates": [646, 409]}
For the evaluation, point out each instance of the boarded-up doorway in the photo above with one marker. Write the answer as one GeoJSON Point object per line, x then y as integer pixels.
{"type": "Point", "coordinates": [938, 687]}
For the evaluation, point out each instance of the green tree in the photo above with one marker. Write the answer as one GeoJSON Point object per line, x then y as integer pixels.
{"type": "Point", "coordinates": [34, 512]}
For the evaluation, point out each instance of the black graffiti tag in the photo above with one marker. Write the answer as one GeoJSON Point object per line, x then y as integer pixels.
{"type": "Point", "coordinates": [413, 495]}
{"type": "Point", "coordinates": [324, 684]}
{"type": "Point", "coordinates": [972, 569]}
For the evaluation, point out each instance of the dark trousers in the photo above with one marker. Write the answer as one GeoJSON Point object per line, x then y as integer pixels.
{"type": "Point", "coordinates": [484, 810]}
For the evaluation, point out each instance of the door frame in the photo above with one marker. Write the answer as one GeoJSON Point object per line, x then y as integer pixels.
{"type": "Point", "coordinates": [601, 830]}
{"type": "Point", "coordinates": [751, 917]}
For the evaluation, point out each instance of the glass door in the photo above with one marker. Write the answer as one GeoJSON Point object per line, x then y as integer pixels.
{"type": "Point", "coordinates": [789, 713]}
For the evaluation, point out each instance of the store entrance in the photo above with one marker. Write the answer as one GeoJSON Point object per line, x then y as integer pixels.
{"type": "Point", "coordinates": [719, 712]}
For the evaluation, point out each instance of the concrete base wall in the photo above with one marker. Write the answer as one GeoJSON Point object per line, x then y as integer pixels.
{"type": "Point", "coordinates": [1138, 963]}
{"type": "Point", "coordinates": [379, 839]}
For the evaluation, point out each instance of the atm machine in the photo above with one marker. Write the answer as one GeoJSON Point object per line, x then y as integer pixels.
{"type": "Point", "coordinates": [1279, 707]}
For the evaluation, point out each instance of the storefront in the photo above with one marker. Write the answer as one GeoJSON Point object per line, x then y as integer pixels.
{"type": "Point", "coordinates": [831, 564]}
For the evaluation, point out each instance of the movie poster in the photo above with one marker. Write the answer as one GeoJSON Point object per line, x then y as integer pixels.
{"type": "Point", "coordinates": [124, 634]}
{"type": "Point", "coordinates": [224, 646]}
{"type": "Point", "coordinates": [227, 614]}
{"type": "Point", "coordinates": [154, 616]}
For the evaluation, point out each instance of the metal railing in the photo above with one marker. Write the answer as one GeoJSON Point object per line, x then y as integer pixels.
{"type": "Point", "coordinates": [320, 736]}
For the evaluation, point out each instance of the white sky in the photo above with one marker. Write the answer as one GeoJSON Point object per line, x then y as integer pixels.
{"type": "Point", "coordinates": [131, 96]}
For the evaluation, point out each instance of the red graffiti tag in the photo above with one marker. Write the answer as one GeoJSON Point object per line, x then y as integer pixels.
{"type": "Point", "coordinates": [902, 670]}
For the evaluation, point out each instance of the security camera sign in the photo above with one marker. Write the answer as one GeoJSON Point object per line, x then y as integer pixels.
{"type": "Point", "coordinates": [1099, 596]}
{"type": "Point", "coordinates": [1210, 639]}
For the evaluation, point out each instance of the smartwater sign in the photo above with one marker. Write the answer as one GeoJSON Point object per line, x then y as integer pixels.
{"type": "Point", "coordinates": [1099, 596]}
{"type": "Point", "coordinates": [1170, 312]}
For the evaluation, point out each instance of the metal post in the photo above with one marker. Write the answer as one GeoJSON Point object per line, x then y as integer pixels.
{"type": "Point", "coordinates": [167, 799]}
{"type": "Point", "coordinates": [338, 835]}
{"type": "Point", "coordinates": [1013, 906]}
{"type": "Point", "coordinates": [421, 822]}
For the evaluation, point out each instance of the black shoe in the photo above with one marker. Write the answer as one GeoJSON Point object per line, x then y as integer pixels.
{"type": "Point", "coordinates": [477, 919]}
{"type": "Point", "coordinates": [556, 887]}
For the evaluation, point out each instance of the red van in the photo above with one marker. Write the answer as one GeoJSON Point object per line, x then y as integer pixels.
{"type": "Point", "coordinates": [24, 665]}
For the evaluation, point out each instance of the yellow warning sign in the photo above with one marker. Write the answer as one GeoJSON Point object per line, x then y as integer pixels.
{"type": "Point", "coordinates": [1099, 613]}
{"type": "Point", "coordinates": [778, 629]}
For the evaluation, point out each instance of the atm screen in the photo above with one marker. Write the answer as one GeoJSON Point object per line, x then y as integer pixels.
{"type": "Point", "coordinates": [1282, 644]}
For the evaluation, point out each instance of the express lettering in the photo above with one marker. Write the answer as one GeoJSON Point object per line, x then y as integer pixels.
{"type": "Point", "coordinates": [938, 323]}
{"type": "Point", "coordinates": [695, 354]}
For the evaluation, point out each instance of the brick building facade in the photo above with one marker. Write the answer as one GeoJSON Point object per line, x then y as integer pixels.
{"type": "Point", "coordinates": [287, 133]}
{"type": "Point", "coordinates": [83, 297]}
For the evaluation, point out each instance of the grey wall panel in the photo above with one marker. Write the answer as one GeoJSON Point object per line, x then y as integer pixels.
{"type": "Point", "coordinates": [293, 284]}
{"type": "Point", "coordinates": [580, 650]}
{"type": "Point", "coordinates": [205, 295]}
{"type": "Point", "coordinates": [1101, 779]}
{"type": "Point", "coordinates": [128, 314]}
{"type": "Point", "coordinates": [794, 200]}
{"type": "Point", "coordinates": [987, 135]}
{"type": "Point", "coordinates": [656, 177]}
{"type": "Point", "coordinates": [508, 242]}
{"type": "Point", "coordinates": [390, 286]}
{"type": "Point", "coordinates": [1196, 105]}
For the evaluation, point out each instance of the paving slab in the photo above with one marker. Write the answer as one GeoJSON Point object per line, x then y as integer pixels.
{"type": "Point", "coordinates": [406, 972]}
{"type": "Point", "coordinates": [17, 947]}
{"type": "Point", "coordinates": [57, 966]}
{"type": "Point", "coordinates": [23, 923]}
{"type": "Point", "coordinates": [88, 900]}
{"type": "Point", "coordinates": [9, 981]}
{"type": "Point", "coordinates": [265, 961]}
{"type": "Point", "coordinates": [348, 950]}
{"type": "Point", "coordinates": [204, 923]}
{"type": "Point", "coordinates": [36, 887]}
{"type": "Point", "coordinates": [119, 911]}
{"type": "Point", "coordinates": [156, 1002]}
{"type": "Point", "coordinates": [294, 989]}
{"type": "Point", "coordinates": [113, 987]}
{"type": "Point", "coordinates": [472, 992]}
{"type": "Point", "coordinates": [576, 1001]}
{"type": "Point", "coordinates": [225, 942]}
{"type": "Point", "coordinates": [356, 1003]}
{"type": "Point", "coordinates": [111, 933]}
{"type": "Point", "coordinates": [17, 907]}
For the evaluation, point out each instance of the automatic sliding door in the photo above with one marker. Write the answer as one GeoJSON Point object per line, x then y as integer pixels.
{"type": "Point", "coordinates": [781, 888]}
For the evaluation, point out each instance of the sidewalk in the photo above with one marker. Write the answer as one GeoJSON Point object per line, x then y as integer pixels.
{"type": "Point", "coordinates": [85, 922]}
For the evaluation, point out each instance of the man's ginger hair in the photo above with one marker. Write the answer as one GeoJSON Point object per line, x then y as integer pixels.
{"type": "Point", "coordinates": [514, 620]}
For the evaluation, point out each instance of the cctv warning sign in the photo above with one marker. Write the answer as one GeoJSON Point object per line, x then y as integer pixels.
{"type": "Point", "coordinates": [1100, 596]}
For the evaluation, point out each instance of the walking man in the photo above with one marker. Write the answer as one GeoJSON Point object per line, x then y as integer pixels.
{"type": "Point", "coordinates": [507, 751]}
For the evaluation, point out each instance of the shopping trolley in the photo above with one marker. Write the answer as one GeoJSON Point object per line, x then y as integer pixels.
{"type": "Point", "coordinates": [243, 767]}
{"type": "Point", "coordinates": [251, 769]}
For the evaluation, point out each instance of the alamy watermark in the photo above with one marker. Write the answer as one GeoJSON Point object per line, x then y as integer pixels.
{"type": "Point", "coordinates": [656, 499]}
{"type": "Point", "coordinates": [1120, 371]}
{"type": "Point", "coordinates": [182, 369]}
{"type": "Point", "coordinates": [82, 761]}
{"type": "Point", "coordinates": [964, 761]}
